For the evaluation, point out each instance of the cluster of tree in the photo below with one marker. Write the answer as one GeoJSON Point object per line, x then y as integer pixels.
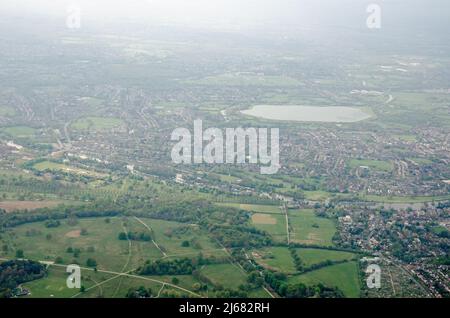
{"type": "Point", "coordinates": [278, 282]}
{"type": "Point", "coordinates": [239, 236]}
{"type": "Point", "coordinates": [231, 293]}
{"type": "Point", "coordinates": [15, 272]}
{"type": "Point", "coordinates": [90, 262]}
{"type": "Point", "coordinates": [135, 236]}
{"type": "Point", "coordinates": [140, 292]}
{"type": "Point", "coordinates": [184, 266]}
{"type": "Point", "coordinates": [296, 259]}
{"type": "Point", "coordinates": [319, 265]}
{"type": "Point", "coordinates": [52, 223]}
{"type": "Point", "coordinates": [94, 210]}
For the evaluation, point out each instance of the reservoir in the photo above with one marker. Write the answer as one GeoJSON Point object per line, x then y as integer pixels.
{"type": "Point", "coordinates": [326, 114]}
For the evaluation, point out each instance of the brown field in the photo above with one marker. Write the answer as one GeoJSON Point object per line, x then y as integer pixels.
{"type": "Point", "coordinates": [73, 234]}
{"type": "Point", "coordinates": [259, 218]}
{"type": "Point", "coordinates": [11, 206]}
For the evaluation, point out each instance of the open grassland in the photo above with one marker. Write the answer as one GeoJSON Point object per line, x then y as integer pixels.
{"type": "Point", "coordinates": [344, 276]}
{"type": "Point", "coordinates": [279, 258]}
{"type": "Point", "coordinates": [404, 199]}
{"type": "Point", "coordinates": [170, 236]}
{"type": "Point", "coordinates": [273, 224]}
{"type": "Point", "coordinates": [54, 285]}
{"type": "Point", "coordinates": [246, 80]}
{"type": "Point", "coordinates": [96, 123]}
{"type": "Point", "coordinates": [19, 131]}
{"type": "Point", "coordinates": [98, 241]}
{"type": "Point", "coordinates": [7, 111]}
{"type": "Point", "coordinates": [372, 164]}
{"type": "Point", "coordinates": [307, 228]}
{"type": "Point", "coordinates": [226, 275]}
{"type": "Point", "coordinates": [54, 166]}
{"type": "Point", "coordinates": [10, 206]}
{"type": "Point", "coordinates": [261, 208]}
{"type": "Point", "coordinates": [275, 258]}
{"type": "Point", "coordinates": [311, 256]}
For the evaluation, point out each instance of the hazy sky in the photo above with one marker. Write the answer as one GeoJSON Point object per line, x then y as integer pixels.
{"type": "Point", "coordinates": [244, 13]}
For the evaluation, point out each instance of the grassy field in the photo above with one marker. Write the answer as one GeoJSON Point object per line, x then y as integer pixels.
{"type": "Point", "coordinates": [100, 243]}
{"type": "Point", "coordinates": [246, 80]}
{"type": "Point", "coordinates": [273, 224]}
{"type": "Point", "coordinates": [54, 166]}
{"type": "Point", "coordinates": [19, 131]}
{"type": "Point", "coordinates": [10, 206]}
{"type": "Point", "coordinates": [344, 276]}
{"type": "Point", "coordinates": [170, 235]}
{"type": "Point", "coordinates": [405, 199]}
{"type": "Point", "coordinates": [96, 123]}
{"type": "Point", "coordinates": [307, 228]}
{"type": "Point", "coordinates": [373, 164]}
{"type": "Point", "coordinates": [261, 208]}
{"type": "Point", "coordinates": [55, 286]}
{"type": "Point", "coordinates": [311, 256]}
{"type": "Point", "coordinates": [226, 275]}
{"type": "Point", "coordinates": [277, 258]}
{"type": "Point", "coordinates": [7, 111]}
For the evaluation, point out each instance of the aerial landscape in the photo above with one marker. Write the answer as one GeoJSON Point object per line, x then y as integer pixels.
{"type": "Point", "coordinates": [88, 113]}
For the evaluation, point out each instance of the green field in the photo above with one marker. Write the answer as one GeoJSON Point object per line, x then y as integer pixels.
{"type": "Point", "coordinates": [168, 236]}
{"type": "Point", "coordinates": [273, 224]}
{"type": "Point", "coordinates": [246, 80]}
{"type": "Point", "coordinates": [372, 164]}
{"type": "Point", "coordinates": [19, 131]}
{"type": "Point", "coordinates": [54, 285]}
{"type": "Point", "coordinates": [344, 276]}
{"type": "Point", "coordinates": [54, 166]}
{"type": "Point", "coordinates": [311, 256]}
{"type": "Point", "coordinates": [109, 252]}
{"type": "Point", "coordinates": [276, 258]}
{"type": "Point", "coordinates": [307, 228]}
{"type": "Point", "coordinates": [226, 275]}
{"type": "Point", "coordinates": [96, 123]}
{"type": "Point", "coordinates": [280, 259]}
{"type": "Point", "coordinates": [7, 111]}
{"type": "Point", "coordinates": [260, 208]}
